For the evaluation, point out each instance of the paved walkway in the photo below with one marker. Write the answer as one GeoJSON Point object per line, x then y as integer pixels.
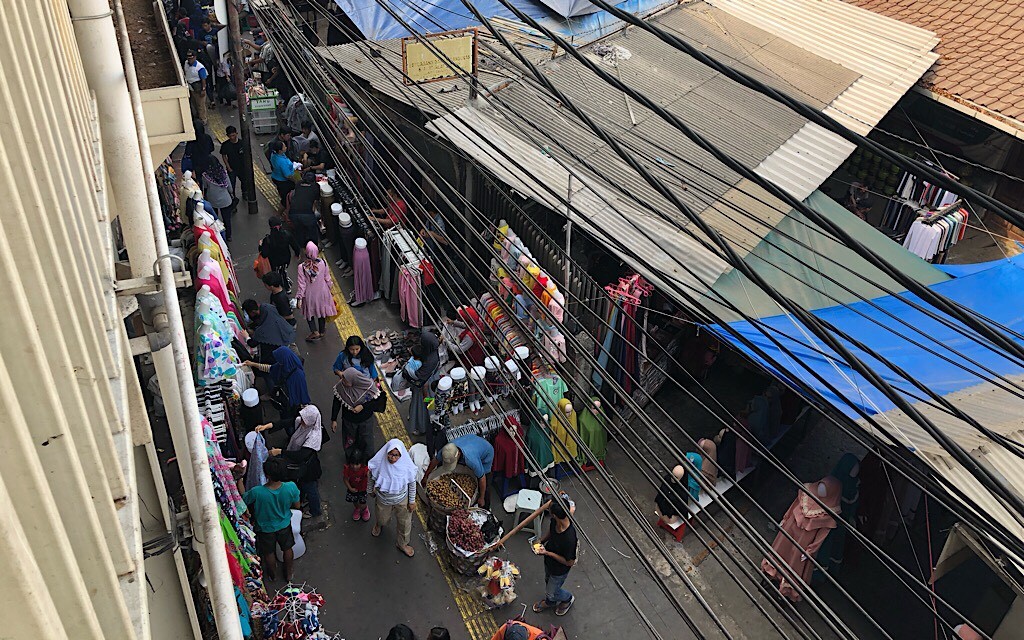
{"type": "Point", "coordinates": [369, 586]}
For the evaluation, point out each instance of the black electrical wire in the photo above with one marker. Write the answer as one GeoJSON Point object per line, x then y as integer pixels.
{"type": "Point", "coordinates": [891, 463]}
{"type": "Point", "coordinates": [995, 484]}
{"type": "Point", "coordinates": [953, 488]}
{"type": "Point", "coordinates": [654, 575]}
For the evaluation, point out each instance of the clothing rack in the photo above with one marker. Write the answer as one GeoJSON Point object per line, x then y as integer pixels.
{"type": "Point", "coordinates": [483, 427]}
{"type": "Point", "coordinates": [915, 196]}
{"type": "Point", "coordinates": [932, 235]}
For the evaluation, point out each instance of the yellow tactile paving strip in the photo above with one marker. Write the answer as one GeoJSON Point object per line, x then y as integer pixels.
{"type": "Point", "coordinates": [479, 621]}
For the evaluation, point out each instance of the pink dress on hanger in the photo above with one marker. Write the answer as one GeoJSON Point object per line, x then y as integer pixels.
{"type": "Point", "coordinates": [313, 286]}
{"type": "Point", "coordinates": [808, 524]}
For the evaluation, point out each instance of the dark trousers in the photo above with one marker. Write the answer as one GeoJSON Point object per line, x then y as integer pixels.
{"type": "Point", "coordinates": [232, 178]}
{"type": "Point", "coordinates": [305, 228]}
{"type": "Point", "coordinates": [224, 213]}
{"type": "Point", "coordinates": [315, 322]}
{"type": "Point", "coordinates": [284, 187]}
{"type": "Point", "coordinates": [310, 490]}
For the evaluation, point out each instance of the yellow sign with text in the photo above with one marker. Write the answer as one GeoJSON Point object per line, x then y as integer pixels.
{"type": "Point", "coordinates": [439, 58]}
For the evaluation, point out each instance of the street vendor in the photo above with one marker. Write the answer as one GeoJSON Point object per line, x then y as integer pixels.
{"type": "Point", "coordinates": [515, 630]}
{"type": "Point", "coordinates": [474, 452]}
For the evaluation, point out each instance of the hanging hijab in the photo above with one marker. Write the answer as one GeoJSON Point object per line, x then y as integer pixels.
{"type": "Point", "coordinates": [708, 466]}
{"type": "Point", "coordinates": [309, 430]}
{"type": "Point", "coordinates": [811, 515]}
{"type": "Point", "coordinates": [311, 265]}
{"type": "Point", "coordinates": [287, 370]}
{"type": "Point", "coordinates": [392, 477]}
{"type": "Point", "coordinates": [258, 454]}
{"type": "Point", "coordinates": [360, 389]}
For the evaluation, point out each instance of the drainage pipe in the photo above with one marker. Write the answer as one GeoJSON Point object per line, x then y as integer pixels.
{"type": "Point", "coordinates": [204, 511]}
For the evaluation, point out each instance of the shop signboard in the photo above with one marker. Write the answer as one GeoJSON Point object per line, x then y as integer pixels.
{"type": "Point", "coordinates": [439, 56]}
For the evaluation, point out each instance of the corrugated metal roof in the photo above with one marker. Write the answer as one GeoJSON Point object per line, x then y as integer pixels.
{"type": "Point", "coordinates": [891, 56]}
{"type": "Point", "coordinates": [998, 410]}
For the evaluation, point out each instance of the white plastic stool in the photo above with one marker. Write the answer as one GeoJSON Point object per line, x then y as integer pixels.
{"type": "Point", "coordinates": [528, 501]}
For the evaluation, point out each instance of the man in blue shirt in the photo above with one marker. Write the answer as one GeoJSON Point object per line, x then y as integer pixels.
{"type": "Point", "coordinates": [282, 171]}
{"type": "Point", "coordinates": [271, 507]}
{"type": "Point", "coordinates": [472, 451]}
{"type": "Point", "coordinates": [195, 77]}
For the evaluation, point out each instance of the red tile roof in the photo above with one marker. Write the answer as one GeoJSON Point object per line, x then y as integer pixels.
{"type": "Point", "coordinates": [981, 48]}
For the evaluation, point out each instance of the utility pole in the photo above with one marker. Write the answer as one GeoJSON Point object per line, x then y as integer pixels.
{"type": "Point", "coordinates": [247, 177]}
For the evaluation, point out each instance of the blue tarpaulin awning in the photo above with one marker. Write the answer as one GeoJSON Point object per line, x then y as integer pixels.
{"type": "Point", "coordinates": [995, 291]}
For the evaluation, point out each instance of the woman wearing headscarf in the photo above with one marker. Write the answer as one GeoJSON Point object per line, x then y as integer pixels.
{"type": "Point", "coordinates": [217, 189]}
{"type": "Point", "coordinates": [267, 329]}
{"type": "Point", "coordinates": [287, 375]}
{"type": "Point", "coordinates": [419, 417]}
{"type": "Point", "coordinates": [355, 355]}
{"type": "Point", "coordinates": [313, 292]}
{"type": "Point", "coordinates": [357, 397]}
{"type": "Point", "coordinates": [303, 449]}
{"type": "Point", "coordinates": [393, 485]}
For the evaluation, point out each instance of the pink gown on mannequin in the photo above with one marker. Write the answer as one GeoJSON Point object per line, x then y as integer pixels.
{"type": "Point", "coordinates": [808, 524]}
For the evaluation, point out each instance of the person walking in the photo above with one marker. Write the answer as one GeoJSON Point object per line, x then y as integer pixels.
{"type": "Point", "coordinates": [559, 548]}
{"type": "Point", "coordinates": [357, 397]}
{"type": "Point", "coordinates": [356, 476]}
{"type": "Point", "coordinates": [302, 208]}
{"type": "Point", "coordinates": [393, 482]}
{"type": "Point", "coordinates": [313, 292]}
{"type": "Point", "coordinates": [195, 77]}
{"type": "Point", "coordinates": [278, 296]}
{"type": "Point", "coordinates": [231, 154]}
{"type": "Point", "coordinates": [271, 507]}
{"type": "Point", "coordinates": [303, 451]}
{"type": "Point", "coordinates": [277, 247]}
{"type": "Point", "coordinates": [267, 330]}
{"type": "Point", "coordinates": [281, 171]}
{"type": "Point", "coordinates": [217, 189]}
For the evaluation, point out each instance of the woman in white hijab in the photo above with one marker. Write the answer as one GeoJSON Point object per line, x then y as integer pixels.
{"type": "Point", "coordinates": [304, 449]}
{"type": "Point", "coordinates": [393, 483]}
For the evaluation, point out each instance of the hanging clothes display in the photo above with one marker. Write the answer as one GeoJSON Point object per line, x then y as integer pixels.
{"type": "Point", "coordinates": [539, 443]}
{"type": "Point", "coordinates": [847, 471]}
{"type": "Point", "coordinates": [913, 196]}
{"type": "Point", "coordinates": [509, 445]}
{"type": "Point", "coordinates": [931, 235]}
{"type": "Point", "coordinates": [549, 390]}
{"type": "Point", "coordinates": [807, 524]}
{"type": "Point", "coordinates": [623, 348]}
{"type": "Point", "coordinates": [409, 295]}
{"type": "Point", "coordinates": [592, 429]}
{"type": "Point", "coordinates": [363, 288]}
{"type": "Point", "coordinates": [565, 430]}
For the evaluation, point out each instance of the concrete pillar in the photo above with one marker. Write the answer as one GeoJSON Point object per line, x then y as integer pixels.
{"type": "Point", "coordinates": [97, 44]}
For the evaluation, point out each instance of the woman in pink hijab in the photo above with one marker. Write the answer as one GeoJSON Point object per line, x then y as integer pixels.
{"type": "Point", "coordinates": [313, 293]}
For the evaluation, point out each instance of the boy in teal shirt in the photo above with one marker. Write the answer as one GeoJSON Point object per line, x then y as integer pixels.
{"type": "Point", "coordinates": [271, 507]}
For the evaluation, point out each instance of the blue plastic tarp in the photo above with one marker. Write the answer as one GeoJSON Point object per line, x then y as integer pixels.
{"type": "Point", "coordinates": [995, 292]}
{"type": "Point", "coordinates": [432, 16]}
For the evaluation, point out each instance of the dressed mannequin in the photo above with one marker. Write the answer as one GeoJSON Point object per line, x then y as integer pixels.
{"type": "Point", "coordinates": [500, 233]}
{"type": "Point", "coordinates": [565, 429]}
{"type": "Point", "coordinates": [460, 389]}
{"type": "Point", "coordinates": [672, 497]}
{"type": "Point", "coordinates": [709, 452]}
{"type": "Point", "coordinates": [847, 471]}
{"type": "Point", "coordinates": [494, 383]}
{"type": "Point", "coordinates": [509, 459]}
{"type": "Point", "coordinates": [592, 430]}
{"type": "Point", "coordinates": [539, 443]}
{"type": "Point", "coordinates": [556, 306]}
{"type": "Point", "coordinates": [808, 524]}
{"type": "Point", "coordinates": [476, 388]}
{"type": "Point", "coordinates": [443, 396]}
{"type": "Point", "coordinates": [217, 362]}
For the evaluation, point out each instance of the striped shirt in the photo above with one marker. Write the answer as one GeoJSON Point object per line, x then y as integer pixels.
{"type": "Point", "coordinates": [402, 497]}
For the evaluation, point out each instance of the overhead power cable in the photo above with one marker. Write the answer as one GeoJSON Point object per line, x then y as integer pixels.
{"type": "Point", "coordinates": [953, 488]}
